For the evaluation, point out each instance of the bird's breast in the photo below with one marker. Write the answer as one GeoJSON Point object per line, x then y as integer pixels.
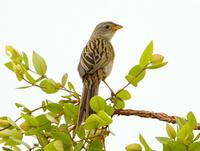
{"type": "Point", "coordinates": [108, 68]}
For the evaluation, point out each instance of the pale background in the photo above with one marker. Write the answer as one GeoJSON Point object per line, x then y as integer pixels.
{"type": "Point", "coordinates": [59, 29]}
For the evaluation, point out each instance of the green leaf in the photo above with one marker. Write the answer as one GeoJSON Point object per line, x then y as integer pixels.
{"type": "Point", "coordinates": [50, 147]}
{"type": "Point", "coordinates": [4, 123]}
{"type": "Point", "coordinates": [119, 104]}
{"type": "Point", "coordinates": [156, 66]}
{"type": "Point", "coordinates": [16, 148]}
{"type": "Point", "coordinates": [133, 147]}
{"type": "Point", "coordinates": [39, 63]}
{"type": "Point", "coordinates": [109, 110]}
{"type": "Point", "coordinates": [180, 122]}
{"type": "Point", "coordinates": [64, 79]}
{"type": "Point", "coordinates": [67, 96]}
{"type": "Point", "coordinates": [44, 123]}
{"type": "Point", "coordinates": [105, 117]}
{"type": "Point", "coordinates": [70, 86]}
{"type": "Point", "coordinates": [97, 103]}
{"type": "Point", "coordinates": [132, 79]}
{"type": "Point", "coordinates": [80, 131]}
{"type": "Point", "coordinates": [58, 144]}
{"type": "Point", "coordinates": [24, 87]}
{"type": "Point", "coordinates": [64, 137]}
{"type": "Point", "coordinates": [176, 146]}
{"type": "Point", "coordinates": [11, 133]}
{"type": "Point", "coordinates": [70, 113]}
{"type": "Point", "coordinates": [144, 143]}
{"type": "Point", "coordinates": [170, 131]}
{"type": "Point", "coordinates": [194, 146]}
{"type": "Point", "coordinates": [92, 122]}
{"type": "Point", "coordinates": [24, 108]}
{"type": "Point", "coordinates": [146, 55]}
{"type": "Point", "coordinates": [13, 123]}
{"type": "Point", "coordinates": [29, 77]}
{"type": "Point", "coordinates": [51, 118]}
{"type": "Point", "coordinates": [55, 108]}
{"type": "Point", "coordinates": [166, 147]}
{"type": "Point", "coordinates": [49, 86]}
{"type": "Point", "coordinates": [185, 134]}
{"type": "Point", "coordinates": [136, 74]}
{"type": "Point", "coordinates": [25, 126]}
{"type": "Point", "coordinates": [42, 139]}
{"type": "Point", "coordinates": [63, 128]}
{"type": "Point", "coordinates": [18, 71]}
{"type": "Point", "coordinates": [6, 149]}
{"type": "Point", "coordinates": [25, 59]}
{"type": "Point", "coordinates": [14, 54]}
{"type": "Point", "coordinates": [96, 145]}
{"type": "Point", "coordinates": [78, 146]}
{"type": "Point", "coordinates": [9, 65]}
{"type": "Point", "coordinates": [163, 140]}
{"type": "Point", "coordinates": [191, 120]}
{"type": "Point", "coordinates": [30, 119]}
{"type": "Point", "coordinates": [124, 95]}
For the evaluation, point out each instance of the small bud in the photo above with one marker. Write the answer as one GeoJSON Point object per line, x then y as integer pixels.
{"type": "Point", "coordinates": [157, 58]}
{"type": "Point", "coordinates": [170, 131]}
{"type": "Point", "coordinates": [4, 123]}
{"type": "Point", "coordinates": [25, 126]}
{"type": "Point", "coordinates": [133, 147]}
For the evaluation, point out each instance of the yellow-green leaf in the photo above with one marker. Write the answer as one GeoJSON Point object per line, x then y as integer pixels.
{"type": "Point", "coordinates": [156, 66]}
{"type": "Point", "coordinates": [133, 147]}
{"type": "Point", "coordinates": [119, 103]}
{"type": "Point", "coordinates": [58, 145]}
{"type": "Point", "coordinates": [144, 143]}
{"type": "Point", "coordinates": [4, 123]}
{"type": "Point", "coordinates": [30, 119]}
{"type": "Point", "coordinates": [170, 131]}
{"type": "Point", "coordinates": [105, 117]}
{"type": "Point", "coordinates": [9, 65]}
{"type": "Point", "coordinates": [97, 103]}
{"type": "Point", "coordinates": [25, 59]}
{"type": "Point", "coordinates": [51, 118]}
{"type": "Point", "coordinates": [14, 54]}
{"type": "Point", "coordinates": [55, 108]}
{"type": "Point", "coordinates": [39, 63]}
{"type": "Point", "coordinates": [124, 95]}
{"type": "Point", "coordinates": [64, 79]}
{"type": "Point", "coordinates": [49, 86]}
{"type": "Point", "coordinates": [147, 55]}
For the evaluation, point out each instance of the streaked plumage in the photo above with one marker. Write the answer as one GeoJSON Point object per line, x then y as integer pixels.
{"type": "Point", "coordinates": [96, 64]}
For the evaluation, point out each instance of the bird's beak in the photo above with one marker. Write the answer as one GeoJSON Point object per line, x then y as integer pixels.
{"type": "Point", "coordinates": [116, 27]}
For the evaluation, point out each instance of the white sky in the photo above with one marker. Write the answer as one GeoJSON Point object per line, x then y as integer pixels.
{"type": "Point", "coordinates": [59, 29]}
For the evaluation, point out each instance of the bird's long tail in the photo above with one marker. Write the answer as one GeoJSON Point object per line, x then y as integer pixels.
{"type": "Point", "coordinates": [90, 89]}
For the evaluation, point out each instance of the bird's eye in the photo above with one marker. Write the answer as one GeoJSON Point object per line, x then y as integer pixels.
{"type": "Point", "coordinates": [107, 27]}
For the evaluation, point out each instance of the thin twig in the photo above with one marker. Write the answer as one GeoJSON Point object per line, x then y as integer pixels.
{"type": "Point", "coordinates": [112, 92]}
{"type": "Point", "coordinates": [62, 88]}
{"type": "Point", "coordinates": [135, 77]}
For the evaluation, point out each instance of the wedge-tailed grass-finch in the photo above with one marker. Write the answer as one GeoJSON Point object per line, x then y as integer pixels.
{"type": "Point", "coordinates": [95, 64]}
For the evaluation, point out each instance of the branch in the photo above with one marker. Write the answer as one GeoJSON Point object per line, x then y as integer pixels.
{"type": "Point", "coordinates": [149, 114]}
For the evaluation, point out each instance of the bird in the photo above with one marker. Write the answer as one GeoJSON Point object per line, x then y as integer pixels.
{"type": "Point", "coordinates": [95, 64]}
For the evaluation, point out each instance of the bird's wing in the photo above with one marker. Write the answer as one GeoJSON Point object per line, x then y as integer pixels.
{"type": "Point", "coordinates": [96, 55]}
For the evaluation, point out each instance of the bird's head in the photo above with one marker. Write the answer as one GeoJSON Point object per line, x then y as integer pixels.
{"type": "Point", "coordinates": [105, 30]}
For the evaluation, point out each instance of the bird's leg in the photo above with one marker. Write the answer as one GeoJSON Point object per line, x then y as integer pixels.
{"type": "Point", "coordinates": [112, 92]}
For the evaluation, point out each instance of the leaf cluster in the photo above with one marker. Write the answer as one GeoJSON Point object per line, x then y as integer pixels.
{"type": "Point", "coordinates": [56, 127]}
{"type": "Point", "coordinates": [181, 139]}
